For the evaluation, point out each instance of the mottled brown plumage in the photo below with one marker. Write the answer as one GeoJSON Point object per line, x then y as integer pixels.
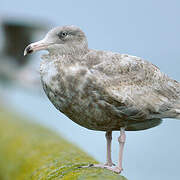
{"type": "Point", "coordinates": [103, 90]}
{"type": "Point", "coordinates": [106, 91]}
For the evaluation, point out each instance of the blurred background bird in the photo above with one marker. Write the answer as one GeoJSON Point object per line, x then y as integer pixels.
{"type": "Point", "coordinates": [14, 69]}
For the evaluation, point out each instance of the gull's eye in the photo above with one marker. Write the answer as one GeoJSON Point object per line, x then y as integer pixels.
{"type": "Point", "coordinates": [62, 34]}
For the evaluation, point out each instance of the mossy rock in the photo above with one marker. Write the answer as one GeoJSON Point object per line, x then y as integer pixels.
{"type": "Point", "coordinates": [29, 151]}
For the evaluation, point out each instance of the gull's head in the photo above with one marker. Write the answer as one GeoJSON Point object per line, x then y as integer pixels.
{"type": "Point", "coordinates": [61, 40]}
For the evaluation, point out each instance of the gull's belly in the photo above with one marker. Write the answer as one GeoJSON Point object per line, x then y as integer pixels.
{"type": "Point", "coordinates": [73, 93]}
{"type": "Point", "coordinates": [80, 105]}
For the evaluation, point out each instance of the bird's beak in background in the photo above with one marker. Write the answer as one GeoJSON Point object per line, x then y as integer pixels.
{"type": "Point", "coordinates": [33, 47]}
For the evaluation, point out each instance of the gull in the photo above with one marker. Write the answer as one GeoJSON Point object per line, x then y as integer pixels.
{"type": "Point", "coordinates": [102, 90]}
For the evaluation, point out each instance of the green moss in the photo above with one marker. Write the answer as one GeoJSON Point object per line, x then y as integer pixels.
{"type": "Point", "coordinates": [29, 151]}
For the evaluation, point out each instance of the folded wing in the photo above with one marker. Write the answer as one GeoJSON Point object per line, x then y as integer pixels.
{"type": "Point", "coordinates": [136, 88]}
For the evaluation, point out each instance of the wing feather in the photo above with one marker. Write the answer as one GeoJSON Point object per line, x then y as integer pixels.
{"type": "Point", "coordinates": [142, 90]}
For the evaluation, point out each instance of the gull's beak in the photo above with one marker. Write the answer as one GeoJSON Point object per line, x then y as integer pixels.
{"type": "Point", "coordinates": [33, 47]}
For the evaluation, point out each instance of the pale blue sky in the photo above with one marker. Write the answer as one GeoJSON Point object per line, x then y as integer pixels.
{"type": "Point", "coordinates": [149, 29]}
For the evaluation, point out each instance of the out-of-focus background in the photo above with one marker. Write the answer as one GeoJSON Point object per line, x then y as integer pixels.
{"type": "Point", "coordinates": [149, 29]}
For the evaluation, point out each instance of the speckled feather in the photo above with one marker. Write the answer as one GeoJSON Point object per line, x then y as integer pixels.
{"type": "Point", "coordinates": [102, 90]}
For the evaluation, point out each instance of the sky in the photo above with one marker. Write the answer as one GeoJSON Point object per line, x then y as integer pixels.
{"type": "Point", "coordinates": [148, 29]}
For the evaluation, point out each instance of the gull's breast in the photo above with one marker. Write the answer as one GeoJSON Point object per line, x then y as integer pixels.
{"type": "Point", "coordinates": [71, 91]}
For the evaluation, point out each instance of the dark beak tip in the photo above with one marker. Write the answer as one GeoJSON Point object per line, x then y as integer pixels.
{"type": "Point", "coordinates": [28, 50]}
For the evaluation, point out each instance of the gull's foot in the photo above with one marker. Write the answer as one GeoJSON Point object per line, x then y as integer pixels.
{"type": "Point", "coordinates": [103, 166]}
{"type": "Point", "coordinates": [115, 169]}
{"type": "Point", "coordinates": [109, 164]}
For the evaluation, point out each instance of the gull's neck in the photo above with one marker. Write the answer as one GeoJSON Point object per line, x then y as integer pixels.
{"type": "Point", "coordinates": [67, 54]}
{"type": "Point", "coordinates": [70, 49]}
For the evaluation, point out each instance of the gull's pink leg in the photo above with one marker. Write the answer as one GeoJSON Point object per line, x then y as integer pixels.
{"type": "Point", "coordinates": [108, 163]}
{"type": "Point", "coordinates": [121, 140]}
{"type": "Point", "coordinates": [109, 139]}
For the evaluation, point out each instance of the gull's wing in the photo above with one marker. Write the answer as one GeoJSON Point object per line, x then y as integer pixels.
{"type": "Point", "coordinates": [135, 87]}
